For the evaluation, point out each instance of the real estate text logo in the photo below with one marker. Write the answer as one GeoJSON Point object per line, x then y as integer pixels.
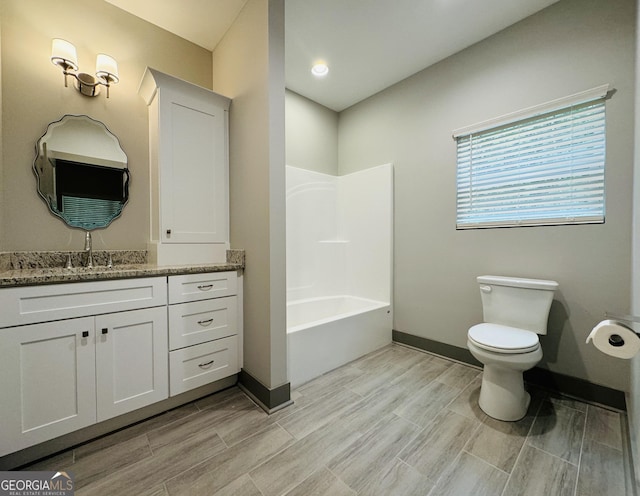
{"type": "Point", "coordinates": [36, 484]}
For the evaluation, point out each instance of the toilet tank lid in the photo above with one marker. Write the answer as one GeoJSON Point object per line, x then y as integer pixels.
{"type": "Point", "coordinates": [518, 282]}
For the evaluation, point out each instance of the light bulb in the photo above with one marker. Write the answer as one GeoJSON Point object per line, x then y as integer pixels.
{"type": "Point", "coordinates": [64, 53]}
{"type": "Point", "coordinates": [320, 69]}
{"type": "Point", "coordinates": [107, 68]}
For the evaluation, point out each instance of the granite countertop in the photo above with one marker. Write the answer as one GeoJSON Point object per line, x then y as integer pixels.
{"type": "Point", "coordinates": [37, 268]}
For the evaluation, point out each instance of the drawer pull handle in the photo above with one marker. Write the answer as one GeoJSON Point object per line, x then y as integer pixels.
{"type": "Point", "coordinates": [105, 330]}
{"type": "Point", "coordinates": [205, 365]}
{"type": "Point", "coordinates": [205, 287]}
{"type": "Point", "coordinates": [205, 323]}
{"type": "Point", "coordinates": [85, 334]}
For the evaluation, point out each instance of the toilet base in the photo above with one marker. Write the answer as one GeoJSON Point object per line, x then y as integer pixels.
{"type": "Point", "coordinates": [502, 395]}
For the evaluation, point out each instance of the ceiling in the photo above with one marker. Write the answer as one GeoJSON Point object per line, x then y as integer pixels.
{"type": "Point", "coordinates": [367, 44]}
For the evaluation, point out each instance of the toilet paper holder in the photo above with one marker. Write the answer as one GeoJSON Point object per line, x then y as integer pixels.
{"type": "Point", "coordinates": [628, 319]}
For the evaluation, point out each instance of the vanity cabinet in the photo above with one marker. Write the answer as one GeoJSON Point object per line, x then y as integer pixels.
{"type": "Point", "coordinates": [203, 329]}
{"type": "Point", "coordinates": [61, 375]}
{"type": "Point", "coordinates": [188, 149]}
{"type": "Point", "coordinates": [77, 354]}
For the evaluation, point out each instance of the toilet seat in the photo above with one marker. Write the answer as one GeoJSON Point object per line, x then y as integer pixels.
{"type": "Point", "coordinates": [503, 339]}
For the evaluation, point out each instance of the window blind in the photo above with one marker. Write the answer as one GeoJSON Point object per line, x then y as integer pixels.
{"type": "Point", "coordinates": [89, 213]}
{"type": "Point", "coordinates": [544, 170]}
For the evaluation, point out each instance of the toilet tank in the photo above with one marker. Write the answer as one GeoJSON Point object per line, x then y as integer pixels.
{"type": "Point", "coordinates": [517, 302]}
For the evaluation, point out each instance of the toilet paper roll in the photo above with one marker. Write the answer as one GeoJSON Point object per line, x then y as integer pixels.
{"type": "Point", "coordinates": [615, 339]}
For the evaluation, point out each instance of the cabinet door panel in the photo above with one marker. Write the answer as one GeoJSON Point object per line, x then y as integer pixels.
{"type": "Point", "coordinates": [193, 168]}
{"type": "Point", "coordinates": [131, 360]}
{"type": "Point", "coordinates": [48, 382]}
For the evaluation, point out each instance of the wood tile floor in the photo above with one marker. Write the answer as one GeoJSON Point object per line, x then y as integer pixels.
{"type": "Point", "coordinates": [393, 423]}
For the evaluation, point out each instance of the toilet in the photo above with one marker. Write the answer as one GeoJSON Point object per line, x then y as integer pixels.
{"type": "Point", "coordinates": [515, 312]}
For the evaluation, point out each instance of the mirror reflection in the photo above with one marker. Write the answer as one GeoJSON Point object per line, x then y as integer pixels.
{"type": "Point", "coordinates": [82, 172]}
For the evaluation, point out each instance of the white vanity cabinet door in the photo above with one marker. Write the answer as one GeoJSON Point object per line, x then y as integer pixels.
{"type": "Point", "coordinates": [131, 360]}
{"type": "Point", "coordinates": [192, 159]}
{"type": "Point", "coordinates": [47, 385]}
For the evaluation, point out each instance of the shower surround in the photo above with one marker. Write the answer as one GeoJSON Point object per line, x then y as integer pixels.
{"type": "Point", "coordinates": [339, 268]}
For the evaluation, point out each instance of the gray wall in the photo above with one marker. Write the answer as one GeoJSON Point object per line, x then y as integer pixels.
{"type": "Point", "coordinates": [633, 399]}
{"type": "Point", "coordinates": [248, 66]}
{"type": "Point", "coordinates": [1, 140]}
{"type": "Point", "coordinates": [571, 46]}
{"type": "Point", "coordinates": [311, 135]}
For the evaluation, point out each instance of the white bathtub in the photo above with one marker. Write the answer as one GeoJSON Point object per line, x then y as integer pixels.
{"type": "Point", "coordinates": [325, 333]}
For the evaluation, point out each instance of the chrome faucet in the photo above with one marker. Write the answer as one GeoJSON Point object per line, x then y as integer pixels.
{"type": "Point", "coordinates": [88, 250]}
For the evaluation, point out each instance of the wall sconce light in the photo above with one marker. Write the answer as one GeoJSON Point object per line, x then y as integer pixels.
{"type": "Point", "coordinates": [63, 54]}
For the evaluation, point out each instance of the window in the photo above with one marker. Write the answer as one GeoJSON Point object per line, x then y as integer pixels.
{"type": "Point", "coordinates": [540, 166]}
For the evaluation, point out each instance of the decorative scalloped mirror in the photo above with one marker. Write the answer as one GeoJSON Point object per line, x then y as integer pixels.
{"type": "Point", "coordinates": [82, 172]}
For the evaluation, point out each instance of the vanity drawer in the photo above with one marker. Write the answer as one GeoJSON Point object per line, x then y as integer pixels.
{"type": "Point", "coordinates": [201, 321]}
{"type": "Point", "coordinates": [31, 304]}
{"type": "Point", "coordinates": [194, 287]}
{"type": "Point", "coordinates": [201, 364]}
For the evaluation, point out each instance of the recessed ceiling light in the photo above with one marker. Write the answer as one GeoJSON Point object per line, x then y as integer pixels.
{"type": "Point", "coordinates": [320, 69]}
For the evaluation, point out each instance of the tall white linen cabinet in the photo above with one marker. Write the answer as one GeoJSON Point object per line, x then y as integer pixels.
{"type": "Point", "coordinates": [189, 170]}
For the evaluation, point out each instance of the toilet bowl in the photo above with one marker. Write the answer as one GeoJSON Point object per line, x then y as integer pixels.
{"type": "Point", "coordinates": [515, 311]}
{"type": "Point", "coordinates": [502, 395]}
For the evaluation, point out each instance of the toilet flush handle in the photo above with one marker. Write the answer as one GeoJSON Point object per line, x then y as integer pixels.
{"type": "Point", "coordinates": [485, 289]}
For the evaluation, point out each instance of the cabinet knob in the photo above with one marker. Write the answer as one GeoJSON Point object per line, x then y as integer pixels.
{"type": "Point", "coordinates": [85, 334]}
{"type": "Point", "coordinates": [105, 330]}
{"type": "Point", "coordinates": [168, 232]}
